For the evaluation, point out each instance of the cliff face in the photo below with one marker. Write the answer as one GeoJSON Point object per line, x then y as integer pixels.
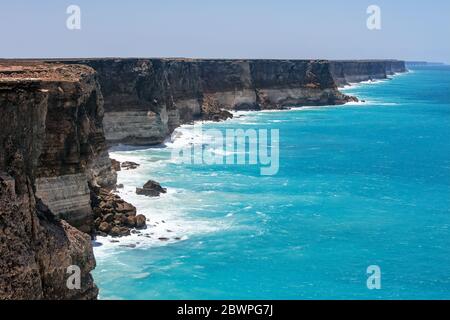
{"type": "Point", "coordinates": [345, 72]}
{"type": "Point", "coordinates": [51, 147]}
{"type": "Point", "coordinates": [53, 152]}
{"type": "Point", "coordinates": [145, 99]}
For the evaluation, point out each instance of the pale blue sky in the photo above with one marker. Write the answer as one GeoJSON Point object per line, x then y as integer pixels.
{"type": "Point", "coordinates": [332, 29]}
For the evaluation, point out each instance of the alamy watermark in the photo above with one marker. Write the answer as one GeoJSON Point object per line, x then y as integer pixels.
{"type": "Point", "coordinates": [73, 22]}
{"type": "Point", "coordinates": [374, 279]}
{"type": "Point", "coordinates": [73, 281]}
{"type": "Point", "coordinates": [374, 20]}
{"type": "Point", "coordinates": [257, 147]}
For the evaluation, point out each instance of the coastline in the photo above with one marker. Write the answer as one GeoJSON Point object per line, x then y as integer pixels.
{"type": "Point", "coordinates": [346, 196]}
{"type": "Point", "coordinates": [183, 136]}
{"type": "Point", "coordinates": [64, 168]}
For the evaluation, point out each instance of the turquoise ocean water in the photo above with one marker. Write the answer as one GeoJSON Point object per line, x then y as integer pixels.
{"type": "Point", "coordinates": [358, 185]}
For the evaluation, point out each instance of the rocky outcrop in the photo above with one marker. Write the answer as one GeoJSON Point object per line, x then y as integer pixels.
{"type": "Point", "coordinates": [353, 71]}
{"type": "Point", "coordinates": [38, 250]}
{"type": "Point", "coordinates": [151, 189]}
{"type": "Point", "coordinates": [62, 107]}
{"type": "Point", "coordinates": [114, 216]}
{"type": "Point", "coordinates": [51, 147]}
{"type": "Point", "coordinates": [129, 165]}
{"type": "Point", "coordinates": [145, 99]}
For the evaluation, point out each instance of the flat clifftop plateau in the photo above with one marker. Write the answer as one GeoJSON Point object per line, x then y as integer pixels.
{"type": "Point", "coordinates": [52, 148]}
{"type": "Point", "coordinates": [20, 72]}
{"type": "Point", "coordinates": [145, 99]}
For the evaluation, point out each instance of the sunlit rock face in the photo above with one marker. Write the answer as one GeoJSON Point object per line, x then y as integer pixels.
{"type": "Point", "coordinates": [52, 148]}
{"type": "Point", "coordinates": [352, 71]}
{"type": "Point", "coordinates": [146, 99]}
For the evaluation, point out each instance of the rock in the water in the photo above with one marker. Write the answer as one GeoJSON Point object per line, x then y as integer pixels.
{"type": "Point", "coordinates": [114, 216]}
{"type": "Point", "coordinates": [131, 221]}
{"type": "Point", "coordinates": [129, 165]}
{"type": "Point", "coordinates": [151, 189]}
{"type": "Point", "coordinates": [213, 111]}
{"type": "Point", "coordinates": [140, 221]}
{"type": "Point", "coordinates": [126, 208]}
{"type": "Point", "coordinates": [115, 232]}
{"type": "Point", "coordinates": [131, 245]}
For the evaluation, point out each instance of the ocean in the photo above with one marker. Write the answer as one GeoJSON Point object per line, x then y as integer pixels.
{"type": "Point", "coordinates": [365, 184]}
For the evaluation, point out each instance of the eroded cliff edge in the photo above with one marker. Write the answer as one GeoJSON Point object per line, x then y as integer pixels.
{"type": "Point", "coordinates": [354, 71]}
{"type": "Point", "coordinates": [52, 147]}
{"type": "Point", "coordinates": [145, 99]}
{"type": "Point", "coordinates": [53, 150]}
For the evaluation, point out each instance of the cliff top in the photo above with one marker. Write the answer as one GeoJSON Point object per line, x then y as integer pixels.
{"type": "Point", "coordinates": [53, 60]}
{"type": "Point", "coordinates": [20, 71]}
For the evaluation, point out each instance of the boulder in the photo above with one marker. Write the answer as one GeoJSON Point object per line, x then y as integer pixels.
{"type": "Point", "coordinates": [131, 221]}
{"type": "Point", "coordinates": [129, 165]}
{"type": "Point", "coordinates": [104, 227]}
{"type": "Point", "coordinates": [140, 221]}
{"type": "Point", "coordinates": [115, 232]}
{"type": "Point", "coordinates": [151, 189]}
{"type": "Point", "coordinates": [124, 231]}
{"type": "Point", "coordinates": [125, 208]}
{"type": "Point", "coordinates": [108, 218]}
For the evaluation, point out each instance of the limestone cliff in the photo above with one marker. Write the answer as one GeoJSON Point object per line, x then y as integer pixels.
{"type": "Point", "coordinates": [51, 147]}
{"type": "Point", "coordinates": [145, 99]}
{"type": "Point", "coordinates": [53, 151]}
{"type": "Point", "coordinates": [353, 71]}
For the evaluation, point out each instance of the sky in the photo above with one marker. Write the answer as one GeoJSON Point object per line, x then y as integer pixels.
{"type": "Point", "coordinates": [283, 29]}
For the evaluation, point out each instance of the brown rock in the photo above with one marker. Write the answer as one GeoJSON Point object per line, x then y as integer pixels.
{"type": "Point", "coordinates": [50, 126]}
{"type": "Point", "coordinates": [124, 231]}
{"type": "Point", "coordinates": [125, 207]}
{"type": "Point", "coordinates": [104, 227]}
{"type": "Point", "coordinates": [115, 232]}
{"type": "Point", "coordinates": [151, 189]}
{"type": "Point", "coordinates": [131, 221]}
{"type": "Point", "coordinates": [140, 221]}
{"type": "Point", "coordinates": [115, 165]}
{"type": "Point", "coordinates": [108, 218]}
{"type": "Point", "coordinates": [129, 165]}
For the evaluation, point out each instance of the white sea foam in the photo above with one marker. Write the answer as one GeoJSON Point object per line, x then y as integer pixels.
{"type": "Point", "coordinates": [167, 224]}
{"type": "Point", "coordinates": [354, 85]}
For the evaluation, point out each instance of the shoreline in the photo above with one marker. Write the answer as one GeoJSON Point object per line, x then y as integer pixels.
{"type": "Point", "coordinates": [127, 193]}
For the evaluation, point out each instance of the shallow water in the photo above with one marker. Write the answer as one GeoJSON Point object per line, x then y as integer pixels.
{"type": "Point", "coordinates": [358, 185]}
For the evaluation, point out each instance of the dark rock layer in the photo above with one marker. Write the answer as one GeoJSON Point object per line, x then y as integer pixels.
{"type": "Point", "coordinates": [145, 99]}
{"type": "Point", "coordinates": [51, 146]}
{"type": "Point", "coordinates": [353, 71]}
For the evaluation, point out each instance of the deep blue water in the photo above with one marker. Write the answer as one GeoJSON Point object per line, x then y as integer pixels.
{"type": "Point", "coordinates": [358, 185]}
